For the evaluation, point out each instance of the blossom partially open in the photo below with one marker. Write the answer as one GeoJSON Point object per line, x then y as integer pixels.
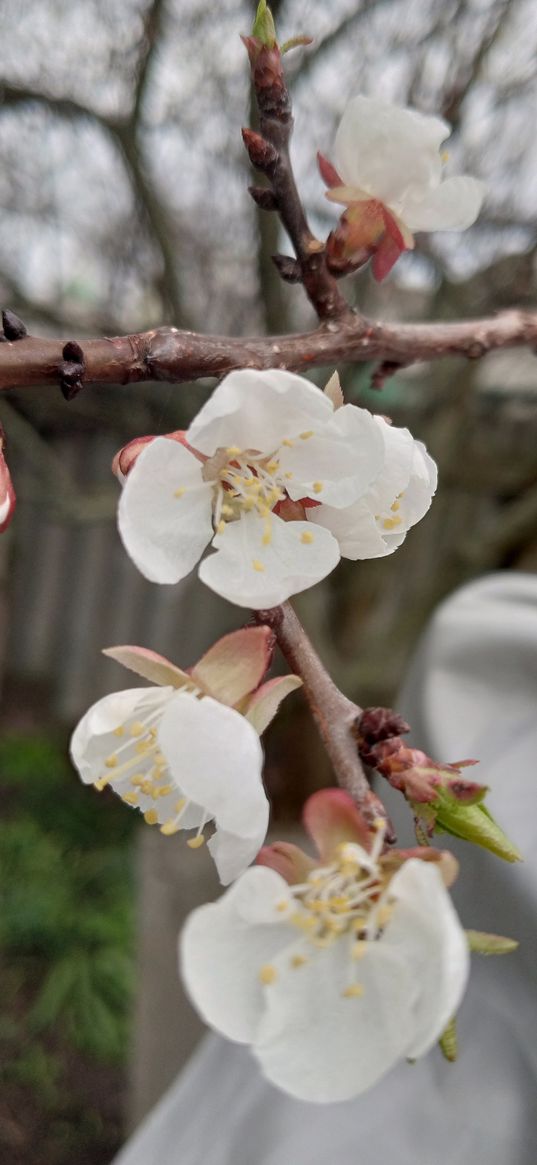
{"type": "Point", "coordinates": [388, 173]}
{"type": "Point", "coordinates": [181, 752]}
{"type": "Point", "coordinates": [266, 457]}
{"type": "Point", "coordinates": [359, 962]}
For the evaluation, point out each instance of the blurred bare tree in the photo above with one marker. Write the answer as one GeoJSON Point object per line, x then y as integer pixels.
{"type": "Point", "coordinates": [124, 204]}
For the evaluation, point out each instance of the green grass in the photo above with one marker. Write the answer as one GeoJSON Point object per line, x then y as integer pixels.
{"type": "Point", "coordinates": [66, 924]}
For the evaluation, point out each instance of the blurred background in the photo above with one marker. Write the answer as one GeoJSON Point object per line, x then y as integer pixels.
{"type": "Point", "coordinates": [123, 205]}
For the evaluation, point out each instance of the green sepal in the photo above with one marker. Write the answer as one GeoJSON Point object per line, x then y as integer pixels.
{"type": "Point", "coordinates": [263, 27]}
{"type": "Point", "coordinates": [471, 822]}
{"type": "Point", "coordinates": [490, 944]}
{"type": "Point", "coordinates": [449, 1044]}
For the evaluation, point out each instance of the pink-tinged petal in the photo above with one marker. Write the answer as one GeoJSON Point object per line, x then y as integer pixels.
{"type": "Point", "coordinates": [126, 457]}
{"type": "Point", "coordinates": [251, 573]}
{"type": "Point", "coordinates": [251, 409]}
{"type": "Point", "coordinates": [332, 818]}
{"type": "Point", "coordinates": [288, 860]}
{"type": "Point", "coordinates": [236, 664]}
{"type": "Point", "coordinates": [8, 499]}
{"type": "Point", "coordinates": [263, 705]}
{"type": "Point", "coordinates": [327, 171]}
{"type": "Point", "coordinates": [385, 257]}
{"type": "Point", "coordinates": [225, 944]}
{"type": "Point", "coordinates": [453, 206]}
{"type": "Point", "coordinates": [150, 665]}
{"type": "Point", "coordinates": [165, 511]}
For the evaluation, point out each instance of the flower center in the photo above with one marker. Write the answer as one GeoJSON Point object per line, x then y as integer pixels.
{"type": "Point", "coordinates": [248, 482]}
{"type": "Point", "coordinates": [346, 901]}
{"type": "Point", "coordinates": [139, 773]}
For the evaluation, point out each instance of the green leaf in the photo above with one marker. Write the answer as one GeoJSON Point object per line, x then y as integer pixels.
{"type": "Point", "coordinates": [263, 27]}
{"type": "Point", "coordinates": [490, 944]}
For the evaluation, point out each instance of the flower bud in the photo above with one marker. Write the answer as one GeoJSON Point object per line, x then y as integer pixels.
{"type": "Point", "coordinates": [8, 499]}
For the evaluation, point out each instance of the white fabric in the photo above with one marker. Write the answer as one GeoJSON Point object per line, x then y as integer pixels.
{"type": "Point", "coordinates": [471, 691]}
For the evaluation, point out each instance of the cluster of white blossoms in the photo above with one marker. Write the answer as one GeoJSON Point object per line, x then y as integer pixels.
{"type": "Point", "coordinates": [331, 969]}
{"type": "Point", "coordinates": [281, 482]}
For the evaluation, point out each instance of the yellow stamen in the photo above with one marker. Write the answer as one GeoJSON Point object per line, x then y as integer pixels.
{"type": "Point", "coordinates": [272, 467]}
{"type": "Point", "coordinates": [288, 476]}
{"type": "Point", "coordinates": [257, 565]}
{"type": "Point", "coordinates": [233, 450]}
{"type": "Point", "coordinates": [130, 798]}
{"type": "Point", "coordinates": [102, 782]}
{"type": "Point", "coordinates": [298, 960]}
{"type": "Point", "coordinates": [282, 905]}
{"type": "Point", "coordinates": [354, 991]}
{"type": "Point", "coordinates": [288, 444]}
{"type": "Point", "coordinates": [120, 731]}
{"type": "Point", "coordinates": [111, 761]}
{"type": "Point", "coordinates": [395, 507]}
{"type": "Point", "coordinates": [150, 816]}
{"type": "Point", "coordinates": [180, 805]}
{"type": "Point", "coordinates": [178, 493]}
{"type": "Point", "coordinates": [306, 537]}
{"type": "Point", "coordinates": [136, 728]}
{"type": "Point", "coordinates": [268, 974]}
{"type": "Point", "coordinates": [391, 523]}
{"type": "Point", "coordinates": [305, 436]}
{"type": "Point", "coordinates": [317, 487]}
{"type": "Point", "coordinates": [164, 790]}
{"type": "Point", "coordinates": [169, 827]}
{"type": "Point", "coordinates": [196, 842]}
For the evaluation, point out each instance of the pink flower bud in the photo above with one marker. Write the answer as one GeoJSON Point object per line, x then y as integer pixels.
{"type": "Point", "coordinates": [8, 499]}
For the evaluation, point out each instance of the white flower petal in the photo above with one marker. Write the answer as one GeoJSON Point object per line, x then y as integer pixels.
{"type": "Point", "coordinates": [384, 149]}
{"type": "Point", "coordinates": [93, 738]}
{"type": "Point", "coordinates": [344, 456]}
{"type": "Point", "coordinates": [257, 410]}
{"type": "Point", "coordinates": [252, 574]}
{"type": "Point", "coordinates": [355, 529]}
{"type": "Point", "coordinates": [223, 947]}
{"type": "Point", "coordinates": [319, 1045]}
{"type": "Point", "coordinates": [232, 854]}
{"type": "Point", "coordinates": [419, 492]}
{"type": "Point", "coordinates": [453, 206]}
{"type": "Point", "coordinates": [165, 511]}
{"type": "Point", "coordinates": [426, 928]}
{"type": "Point", "coordinates": [215, 756]}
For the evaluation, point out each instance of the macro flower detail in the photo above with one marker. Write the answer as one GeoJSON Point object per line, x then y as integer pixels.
{"type": "Point", "coordinates": [181, 752]}
{"type": "Point", "coordinates": [388, 174]}
{"type": "Point", "coordinates": [281, 479]}
{"type": "Point", "coordinates": [400, 496]}
{"type": "Point", "coordinates": [331, 970]}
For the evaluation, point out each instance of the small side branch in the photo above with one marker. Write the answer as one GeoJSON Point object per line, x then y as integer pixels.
{"type": "Point", "coordinates": [175, 356]}
{"type": "Point", "coordinates": [269, 152]}
{"type": "Point", "coordinates": [335, 716]}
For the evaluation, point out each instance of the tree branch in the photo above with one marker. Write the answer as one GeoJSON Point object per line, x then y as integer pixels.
{"type": "Point", "coordinates": [334, 715]}
{"type": "Point", "coordinates": [175, 356]}
{"type": "Point", "coordinates": [269, 152]}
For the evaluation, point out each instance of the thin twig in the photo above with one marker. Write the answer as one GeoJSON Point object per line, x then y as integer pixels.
{"type": "Point", "coordinates": [334, 714]}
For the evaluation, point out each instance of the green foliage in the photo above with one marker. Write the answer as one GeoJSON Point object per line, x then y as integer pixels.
{"type": "Point", "coordinates": [66, 913]}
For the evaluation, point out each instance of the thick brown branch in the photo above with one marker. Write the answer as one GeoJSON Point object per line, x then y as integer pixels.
{"type": "Point", "coordinates": [334, 715]}
{"type": "Point", "coordinates": [175, 356]}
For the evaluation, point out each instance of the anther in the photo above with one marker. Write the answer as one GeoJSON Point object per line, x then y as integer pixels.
{"type": "Point", "coordinates": [353, 991]}
{"type": "Point", "coordinates": [150, 816]}
{"type": "Point", "coordinates": [305, 436]}
{"type": "Point", "coordinates": [196, 842]}
{"type": "Point", "coordinates": [257, 565]}
{"type": "Point", "coordinates": [317, 487]}
{"type": "Point", "coordinates": [178, 493]}
{"type": "Point", "coordinates": [306, 537]}
{"type": "Point", "coordinates": [267, 974]}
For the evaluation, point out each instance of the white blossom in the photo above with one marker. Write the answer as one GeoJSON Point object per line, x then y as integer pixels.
{"type": "Point", "coordinates": [181, 757]}
{"type": "Point", "coordinates": [261, 457]}
{"type": "Point", "coordinates": [332, 980]}
{"type": "Point", "coordinates": [389, 173]}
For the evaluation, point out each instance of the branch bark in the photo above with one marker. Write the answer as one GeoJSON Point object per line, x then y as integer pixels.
{"type": "Point", "coordinates": [176, 356]}
{"type": "Point", "coordinates": [334, 714]}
